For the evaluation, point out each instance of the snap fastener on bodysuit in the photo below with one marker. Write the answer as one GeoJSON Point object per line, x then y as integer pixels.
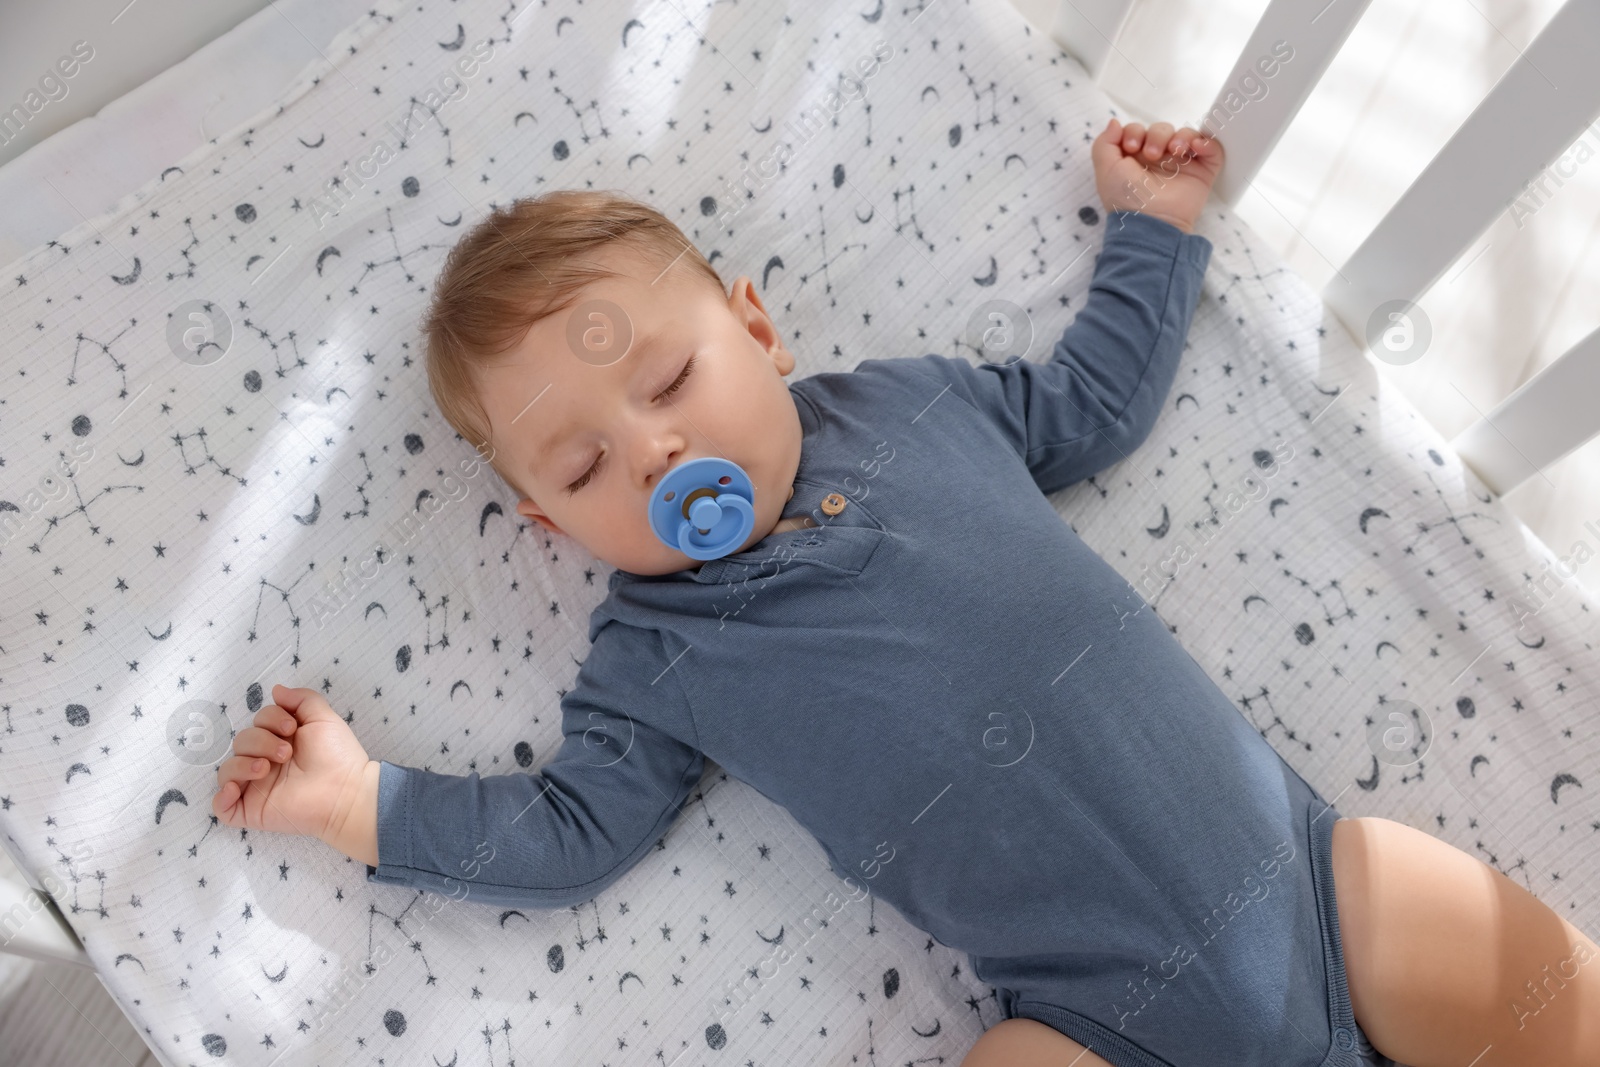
{"type": "Point", "coordinates": [832, 504]}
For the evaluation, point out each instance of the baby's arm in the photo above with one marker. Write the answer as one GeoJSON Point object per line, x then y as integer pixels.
{"type": "Point", "coordinates": [547, 839]}
{"type": "Point", "coordinates": [1097, 396]}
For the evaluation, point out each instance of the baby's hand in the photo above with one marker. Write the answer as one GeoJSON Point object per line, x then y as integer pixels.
{"type": "Point", "coordinates": [298, 770]}
{"type": "Point", "coordinates": [1157, 172]}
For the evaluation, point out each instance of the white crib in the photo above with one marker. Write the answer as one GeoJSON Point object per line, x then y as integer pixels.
{"type": "Point", "coordinates": [1534, 112]}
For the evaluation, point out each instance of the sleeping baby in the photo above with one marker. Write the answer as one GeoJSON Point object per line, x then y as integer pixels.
{"type": "Point", "coordinates": [904, 645]}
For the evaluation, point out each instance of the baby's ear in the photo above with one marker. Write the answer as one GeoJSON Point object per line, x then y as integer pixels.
{"type": "Point", "coordinates": [745, 299]}
{"type": "Point", "coordinates": [529, 510]}
{"type": "Point", "coordinates": [783, 359]}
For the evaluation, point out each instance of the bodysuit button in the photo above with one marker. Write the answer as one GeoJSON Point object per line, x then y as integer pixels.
{"type": "Point", "coordinates": [832, 504]}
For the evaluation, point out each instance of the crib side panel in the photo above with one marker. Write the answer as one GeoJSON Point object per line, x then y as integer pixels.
{"type": "Point", "coordinates": [1275, 73]}
{"type": "Point", "coordinates": [1532, 114]}
{"type": "Point", "coordinates": [1550, 415]}
{"type": "Point", "coordinates": [1087, 30]}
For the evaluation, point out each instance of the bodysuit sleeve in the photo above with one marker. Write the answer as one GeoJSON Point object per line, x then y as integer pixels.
{"type": "Point", "coordinates": [1097, 396]}
{"type": "Point", "coordinates": [559, 835]}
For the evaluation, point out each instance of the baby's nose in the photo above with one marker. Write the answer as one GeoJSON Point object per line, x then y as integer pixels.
{"type": "Point", "coordinates": [657, 469]}
{"type": "Point", "coordinates": [662, 457]}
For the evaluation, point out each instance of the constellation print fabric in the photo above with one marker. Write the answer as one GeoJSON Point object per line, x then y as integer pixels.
{"type": "Point", "coordinates": [222, 469]}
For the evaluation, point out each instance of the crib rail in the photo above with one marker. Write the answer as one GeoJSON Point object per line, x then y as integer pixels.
{"type": "Point", "coordinates": [1541, 105]}
{"type": "Point", "coordinates": [1279, 66]}
{"type": "Point", "coordinates": [1092, 27]}
{"type": "Point", "coordinates": [1549, 416]}
{"type": "Point", "coordinates": [31, 925]}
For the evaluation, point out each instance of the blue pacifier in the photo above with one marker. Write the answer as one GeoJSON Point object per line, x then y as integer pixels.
{"type": "Point", "coordinates": [703, 508]}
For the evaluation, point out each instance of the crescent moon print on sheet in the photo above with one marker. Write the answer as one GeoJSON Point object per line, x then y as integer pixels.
{"type": "Point", "coordinates": [298, 512]}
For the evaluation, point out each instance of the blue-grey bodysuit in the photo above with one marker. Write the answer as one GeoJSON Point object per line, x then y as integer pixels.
{"type": "Point", "coordinates": [978, 718]}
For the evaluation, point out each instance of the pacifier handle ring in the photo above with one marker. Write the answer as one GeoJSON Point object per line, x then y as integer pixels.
{"type": "Point", "coordinates": [729, 502]}
{"type": "Point", "coordinates": [691, 497]}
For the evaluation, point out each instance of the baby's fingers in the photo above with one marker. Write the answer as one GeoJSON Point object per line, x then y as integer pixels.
{"type": "Point", "coordinates": [1155, 141]}
{"type": "Point", "coordinates": [227, 803]}
{"type": "Point", "coordinates": [224, 801]}
{"type": "Point", "coordinates": [277, 720]}
{"type": "Point", "coordinates": [1190, 144]}
{"type": "Point", "coordinates": [306, 705]}
{"type": "Point", "coordinates": [1106, 150]}
{"type": "Point", "coordinates": [238, 770]}
{"type": "Point", "coordinates": [254, 741]}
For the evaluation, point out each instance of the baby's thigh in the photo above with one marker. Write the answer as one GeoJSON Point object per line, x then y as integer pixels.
{"type": "Point", "coordinates": [1447, 958]}
{"type": "Point", "coordinates": [1028, 1043]}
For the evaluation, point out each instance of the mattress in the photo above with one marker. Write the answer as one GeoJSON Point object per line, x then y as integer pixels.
{"type": "Point", "coordinates": [214, 406]}
{"type": "Point", "coordinates": [85, 169]}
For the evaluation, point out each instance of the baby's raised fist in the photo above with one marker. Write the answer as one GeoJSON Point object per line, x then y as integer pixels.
{"type": "Point", "coordinates": [1159, 172]}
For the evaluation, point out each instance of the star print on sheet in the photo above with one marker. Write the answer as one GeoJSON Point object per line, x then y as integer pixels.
{"type": "Point", "coordinates": [297, 512]}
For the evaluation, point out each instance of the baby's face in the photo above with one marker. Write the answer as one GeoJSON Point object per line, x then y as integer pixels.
{"type": "Point", "coordinates": [557, 407]}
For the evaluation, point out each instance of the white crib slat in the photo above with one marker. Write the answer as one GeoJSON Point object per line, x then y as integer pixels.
{"type": "Point", "coordinates": [1087, 29]}
{"type": "Point", "coordinates": [1534, 112]}
{"type": "Point", "coordinates": [31, 926]}
{"type": "Point", "coordinates": [1550, 415]}
{"type": "Point", "coordinates": [1276, 71]}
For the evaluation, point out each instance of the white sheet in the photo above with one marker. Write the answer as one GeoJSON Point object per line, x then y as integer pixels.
{"type": "Point", "coordinates": [85, 169]}
{"type": "Point", "coordinates": [182, 560]}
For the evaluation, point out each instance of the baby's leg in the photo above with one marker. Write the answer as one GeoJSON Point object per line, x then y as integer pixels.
{"type": "Point", "coordinates": [1028, 1043]}
{"type": "Point", "coordinates": [1451, 963]}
